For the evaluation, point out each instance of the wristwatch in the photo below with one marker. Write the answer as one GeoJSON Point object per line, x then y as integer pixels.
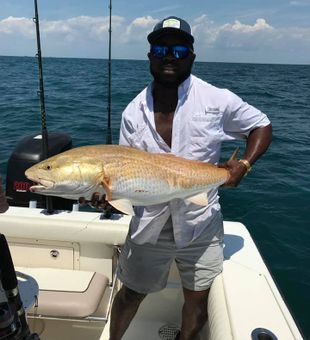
{"type": "Point", "coordinates": [247, 164]}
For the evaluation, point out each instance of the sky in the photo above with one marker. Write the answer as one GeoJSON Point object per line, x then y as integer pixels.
{"type": "Point", "coordinates": [254, 31]}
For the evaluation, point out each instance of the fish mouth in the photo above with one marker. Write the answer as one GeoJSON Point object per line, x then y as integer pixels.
{"type": "Point", "coordinates": [41, 185]}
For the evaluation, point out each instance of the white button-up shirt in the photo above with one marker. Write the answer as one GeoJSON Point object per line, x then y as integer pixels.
{"type": "Point", "coordinates": [205, 116]}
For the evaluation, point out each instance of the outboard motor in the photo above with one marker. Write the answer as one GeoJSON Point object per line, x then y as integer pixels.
{"type": "Point", "coordinates": [27, 153]}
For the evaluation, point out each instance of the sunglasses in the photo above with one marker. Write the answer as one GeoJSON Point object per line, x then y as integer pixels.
{"type": "Point", "coordinates": [178, 51]}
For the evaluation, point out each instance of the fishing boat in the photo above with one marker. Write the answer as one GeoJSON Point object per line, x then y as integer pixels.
{"type": "Point", "coordinates": [65, 261]}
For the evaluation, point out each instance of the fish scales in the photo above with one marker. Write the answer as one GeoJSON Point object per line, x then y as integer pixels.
{"type": "Point", "coordinates": [176, 171]}
{"type": "Point", "coordinates": [126, 175]}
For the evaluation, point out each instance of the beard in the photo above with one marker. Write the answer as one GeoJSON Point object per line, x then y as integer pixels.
{"type": "Point", "coordinates": [169, 79]}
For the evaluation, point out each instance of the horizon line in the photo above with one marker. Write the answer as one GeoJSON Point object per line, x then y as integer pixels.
{"type": "Point", "coordinates": [125, 59]}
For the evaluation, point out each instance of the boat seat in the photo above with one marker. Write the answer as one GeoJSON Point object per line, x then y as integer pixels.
{"type": "Point", "coordinates": [242, 300]}
{"type": "Point", "coordinates": [66, 293]}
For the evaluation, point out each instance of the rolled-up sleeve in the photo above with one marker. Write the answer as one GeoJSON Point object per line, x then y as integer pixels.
{"type": "Point", "coordinates": [240, 118]}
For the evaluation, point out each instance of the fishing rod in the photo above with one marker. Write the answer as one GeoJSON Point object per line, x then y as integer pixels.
{"type": "Point", "coordinates": [4, 206]}
{"type": "Point", "coordinates": [49, 206]}
{"type": "Point", "coordinates": [109, 130]}
{"type": "Point", "coordinates": [13, 322]}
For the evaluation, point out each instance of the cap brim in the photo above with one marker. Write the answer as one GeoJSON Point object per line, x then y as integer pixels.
{"type": "Point", "coordinates": [155, 35]}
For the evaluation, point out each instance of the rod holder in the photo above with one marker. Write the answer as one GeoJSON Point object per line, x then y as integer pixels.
{"type": "Point", "coordinates": [32, 204]}
{"type": "Point", "coordinates": [75, 207]}
{"type": "Point", "coordinates": [262, 334]}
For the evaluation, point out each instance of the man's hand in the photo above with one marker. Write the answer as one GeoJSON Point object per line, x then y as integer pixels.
{"type": "Point", "coordinates": [236, 170]}
{"type": "Point", "coordinates": [257, 143]}
{"type": "Point", "coordinates": [98, 203]}
{"type": "Point", "coordinates": [95, 202]}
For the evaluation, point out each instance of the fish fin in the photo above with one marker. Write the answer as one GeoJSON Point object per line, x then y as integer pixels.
{"type": "Point", "coordinates": [106, 183]}
{"type": "Point", "coordinates": [234, 155]}
{"type": "Point", "coordinates": [200, 199]}
{"type": "Point", "coordinates": [123, 205]}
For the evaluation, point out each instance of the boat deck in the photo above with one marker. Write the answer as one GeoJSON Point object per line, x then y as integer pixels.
{"type": "Point", "coordinates": [243, 298]}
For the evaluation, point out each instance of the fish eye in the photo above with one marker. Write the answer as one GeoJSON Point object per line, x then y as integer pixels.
{"type": "Point", "coordinates": [48, 167]}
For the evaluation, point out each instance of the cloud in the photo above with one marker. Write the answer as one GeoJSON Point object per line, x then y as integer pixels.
{"type": "Point", "coordinates": [171, 8]}
{"type": "Point", "coordinates": [260, 36]}
{"type": "Point", "coordinates": [22, 26]}
{"type": "Point", "coordinates": [80, 29]}
{"type": "Point", "coordinates": [139, 28]}
{"type": "Point", "coordinates": [82, 36]}
{"type": "Point", "coordinates": [86, 36]}
{"type": "Point", "coordinates": [301, 3]}
{"type": "Point", "coordinates": [71, 29]}
{"type": "Point", "coordinates": [205, 30]}
{"type": "Point", "coordinates": [231, 35]}
{"type": "Point", "coordinates": [237, 26]}
{"type": "Point", "coordinates": [238, 35]}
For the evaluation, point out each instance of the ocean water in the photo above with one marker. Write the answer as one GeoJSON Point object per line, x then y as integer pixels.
{"type": "Point", "coordinates": [273, 201]}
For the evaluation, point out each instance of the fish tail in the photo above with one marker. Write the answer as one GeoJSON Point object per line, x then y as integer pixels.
{"type": "Point", "coordinates": [234, 155]}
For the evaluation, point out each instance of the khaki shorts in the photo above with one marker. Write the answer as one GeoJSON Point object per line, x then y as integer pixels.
{"type": "Point", "coordinates": [145, 268]}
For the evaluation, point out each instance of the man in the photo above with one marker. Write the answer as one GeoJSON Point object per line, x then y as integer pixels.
{"type": "Point", "coordinates": [181, 114]}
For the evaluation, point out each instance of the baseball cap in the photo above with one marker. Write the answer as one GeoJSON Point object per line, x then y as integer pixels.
{"type": "Point", "coordinates": [171, 24]}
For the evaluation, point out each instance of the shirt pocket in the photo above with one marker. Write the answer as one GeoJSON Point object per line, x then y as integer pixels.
{"type": "Point", "coordinates": [206, 123]}
{"type": "Point", "coordinates": [206, 131]}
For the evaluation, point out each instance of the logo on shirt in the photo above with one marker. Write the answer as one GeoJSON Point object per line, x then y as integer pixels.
{"type": "Point", "coordinates": [210, 109]}
{"type": "Point", "coordinates": [210, 114]}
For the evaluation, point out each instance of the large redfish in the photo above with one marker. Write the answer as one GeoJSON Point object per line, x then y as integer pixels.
{"type": "Point", "coordinates": [127, 176]}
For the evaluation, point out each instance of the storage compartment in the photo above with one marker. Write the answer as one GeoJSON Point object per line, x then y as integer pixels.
{"type": "Point", "coordinates": [39, 253]}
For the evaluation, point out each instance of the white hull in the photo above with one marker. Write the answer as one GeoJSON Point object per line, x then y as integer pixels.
{"type": "Point", "coordinates": [64, 251]}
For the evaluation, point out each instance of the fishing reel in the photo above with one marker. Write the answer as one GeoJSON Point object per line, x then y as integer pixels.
{"type": "Point", "coordinates": [11, 326]}
{"type": "Point", "coordinates": [8, 326]}
{"type": "Point", "coordinates": [13, 323]}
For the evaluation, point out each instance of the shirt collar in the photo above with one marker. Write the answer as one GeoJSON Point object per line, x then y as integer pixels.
{"type": "Point", "coordinates": [184, 88]}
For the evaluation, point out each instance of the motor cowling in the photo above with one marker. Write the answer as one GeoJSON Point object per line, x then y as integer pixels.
{"type": "Point", "coordinates": [27, 153]}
